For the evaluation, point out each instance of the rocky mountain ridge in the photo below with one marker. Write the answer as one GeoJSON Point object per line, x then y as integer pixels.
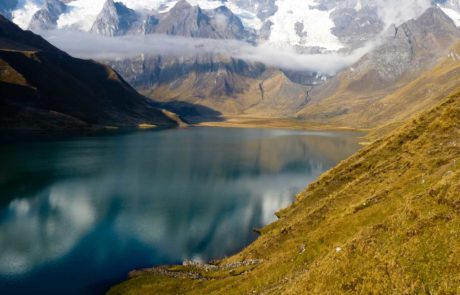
{"type": "Point", "coordinates": [303, 25]}
{"type": "Point", "coordinates": [407, 52]}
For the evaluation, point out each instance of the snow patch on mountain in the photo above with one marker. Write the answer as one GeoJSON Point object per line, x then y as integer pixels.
{"type": "Point", "coordinates": [454, 15]}
{"type": "Point", "coordinates": [81, 14]}
{"type": "Point", "coordinates": [315, 25]}
{"type": "Point", "coordinates": [249, 19]}
{"type": "Point", "coordinates": [295, 24]}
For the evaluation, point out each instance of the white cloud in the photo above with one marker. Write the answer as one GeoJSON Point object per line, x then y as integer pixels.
{"type": "Point", "coordinates": [85, 45]}
{"type": "Point", "coordinates": [23, 16]}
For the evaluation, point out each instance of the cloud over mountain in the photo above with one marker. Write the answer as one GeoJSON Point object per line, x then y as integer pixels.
{"type": "Point", "coordinates": [85, 45]}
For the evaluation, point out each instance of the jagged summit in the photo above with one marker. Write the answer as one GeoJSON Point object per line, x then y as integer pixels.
{"type": "Point", "coordinates": [115, 19]}
{"type": "Point", "coordinates": [319, 25]}
{"type": "Point", "coordinates": [436, 20]}
{"type": "Point", "coordinates": [185, 20]}
{"type": "Point", "coordinates": [46, 18]}
{"type": "Point", "coordinates": [192, 21]}
{"type": "Point", "coordinates": [182, 4]}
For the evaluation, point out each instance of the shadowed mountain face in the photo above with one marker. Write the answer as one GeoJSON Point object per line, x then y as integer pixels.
{"type": "Point", "coordinates": [227, 86]}
{"type": "Point", "coordinates": [44, 88]}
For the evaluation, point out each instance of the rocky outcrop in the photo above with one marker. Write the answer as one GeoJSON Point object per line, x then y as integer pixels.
{"type": "Point", "coordinates": [355, 28]}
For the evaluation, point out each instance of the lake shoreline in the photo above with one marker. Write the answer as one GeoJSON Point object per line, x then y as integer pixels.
{"type": "Point", "coordinates": [273, 123]}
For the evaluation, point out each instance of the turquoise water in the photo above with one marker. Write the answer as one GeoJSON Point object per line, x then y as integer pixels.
{"type": "Point", "coordinates": [76, 214]}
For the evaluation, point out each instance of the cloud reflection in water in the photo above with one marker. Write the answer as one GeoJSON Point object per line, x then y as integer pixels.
{"type": "Point", "coordinates": [159, 196]}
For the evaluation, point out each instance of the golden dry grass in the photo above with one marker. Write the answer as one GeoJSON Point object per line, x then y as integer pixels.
{"type": "Point", "coordinates": [279, 123]}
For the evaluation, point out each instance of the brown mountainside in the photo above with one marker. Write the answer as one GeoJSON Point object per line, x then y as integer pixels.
{"type": "Point", "coordinates": [42, 87]}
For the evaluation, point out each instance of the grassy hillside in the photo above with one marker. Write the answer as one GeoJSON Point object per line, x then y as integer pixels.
{"type": "Point", "coordinates": [385, 221]}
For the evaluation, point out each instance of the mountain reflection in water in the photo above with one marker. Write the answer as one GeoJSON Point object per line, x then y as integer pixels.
{"type": "Point", "coordinates": [78, 214]}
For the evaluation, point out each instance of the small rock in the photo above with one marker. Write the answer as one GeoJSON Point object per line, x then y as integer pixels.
{"type": "Point", "coordinates": [338, 250]}
{"type": "Point", "coordinates": [302, 249]}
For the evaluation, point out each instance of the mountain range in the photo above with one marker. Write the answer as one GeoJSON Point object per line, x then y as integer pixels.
{"type": "Point", "coordinates": [322, 24]}
{"type": "Point", "coordinates": [402, 44]}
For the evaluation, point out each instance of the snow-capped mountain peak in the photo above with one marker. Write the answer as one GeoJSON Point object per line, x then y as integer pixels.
{"type": "Point", "coordinates": [304, 25]}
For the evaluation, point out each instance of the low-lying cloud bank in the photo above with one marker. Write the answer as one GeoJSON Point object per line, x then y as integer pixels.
{"type": "Point", "coordinates": [86, 45]}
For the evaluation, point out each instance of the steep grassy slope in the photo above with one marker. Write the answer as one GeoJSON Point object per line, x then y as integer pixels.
{"type": "Point", "coordinates": [385, 221]}
{"type": "Point", "coordinates": [42, 87]}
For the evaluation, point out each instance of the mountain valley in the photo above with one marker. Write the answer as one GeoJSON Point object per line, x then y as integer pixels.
{"type": "Point", "coordinates": [213, 85]}
{"type": "Point", "coordinates": [190, 210]}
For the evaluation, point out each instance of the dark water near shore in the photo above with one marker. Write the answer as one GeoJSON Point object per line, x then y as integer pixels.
{"type": "Point", "coordinates": [77, 214]}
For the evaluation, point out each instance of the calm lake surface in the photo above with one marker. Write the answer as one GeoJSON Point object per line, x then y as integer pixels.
{"type": "Point", "coordinates": [77, 214]}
